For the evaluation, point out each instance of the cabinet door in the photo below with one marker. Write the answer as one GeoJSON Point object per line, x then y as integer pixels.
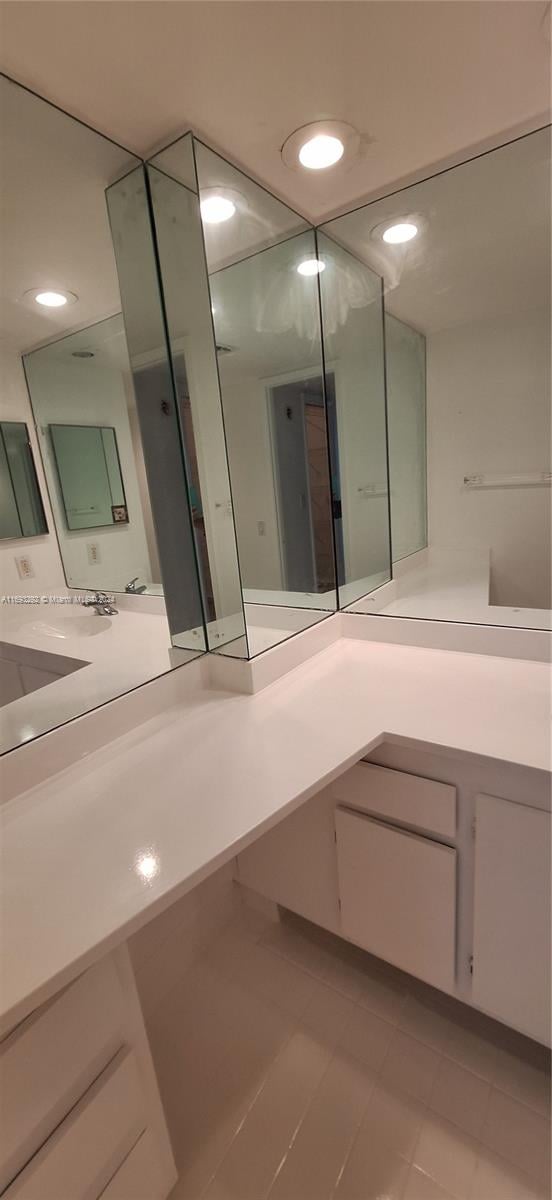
{"type": "Point", "coordinates": [511, 951]}
{"type": "Point", "coordinates": [398, 896]}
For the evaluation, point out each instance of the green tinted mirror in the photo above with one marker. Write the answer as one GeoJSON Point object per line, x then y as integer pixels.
{"type": "Point", "coordinates": [21, 511]}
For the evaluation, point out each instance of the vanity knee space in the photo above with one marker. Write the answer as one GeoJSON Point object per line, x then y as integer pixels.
{"type": "Point", "coordinates": [441, 869]}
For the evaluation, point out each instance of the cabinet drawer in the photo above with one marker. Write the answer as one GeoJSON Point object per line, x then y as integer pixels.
{"type": "Point", "coordinates": [398, 796]}
{"type": "Point", "coordinates": [398, 896]}
{"type": "Point", "coordinates": [88, 1147]}
{"type": "Point", "coordinates": [141, 1176]}
{"type": "Point", "coordinates": [51, 1058]}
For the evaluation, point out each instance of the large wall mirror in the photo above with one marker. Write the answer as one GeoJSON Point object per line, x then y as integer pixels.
{"type": "Point", "coordinates": [111, 591]}
{"type": "Point", "coordinates": [463, 260]}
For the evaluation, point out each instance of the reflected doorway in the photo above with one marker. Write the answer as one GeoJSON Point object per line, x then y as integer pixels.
{"type": "Point", "coordinates": [304, 505]}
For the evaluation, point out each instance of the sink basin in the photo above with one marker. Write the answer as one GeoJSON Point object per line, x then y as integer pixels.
{"type": "Point", "coordinates": [69, 627]}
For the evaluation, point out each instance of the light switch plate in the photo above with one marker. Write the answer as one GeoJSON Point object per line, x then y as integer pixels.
{"type": "Point", "coordinates": [24, 566]}
{"type": "Point", "coordinates": [93, 552]}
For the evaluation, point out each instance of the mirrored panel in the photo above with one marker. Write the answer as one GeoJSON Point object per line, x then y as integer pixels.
{"type": "Point", "coordinates": [243, 312]}
{"type": "Point", "coordinates": [21, 508]}
{"type": "Point", "coordinates": [84, 617]}
{"type": "Point", "coordinates": [194, 368]}
{"type": "Point", "coordinates": [465, 261]}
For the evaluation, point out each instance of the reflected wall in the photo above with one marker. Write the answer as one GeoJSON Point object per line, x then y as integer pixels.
{"type": "Point", "coordinates": [467, 331]}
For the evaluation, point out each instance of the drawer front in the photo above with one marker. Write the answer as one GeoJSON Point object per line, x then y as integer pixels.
{"type": "Point", "coordinates": [141, 1176]}
{"type": "Point", "coordinates": [398, 896]}
{"type": "Point", "coordinates": [51, 1058]}
{"type": "Point", "coordinates": [397, 796]}
{"type": "Point", "coordinates": [89, 1146]}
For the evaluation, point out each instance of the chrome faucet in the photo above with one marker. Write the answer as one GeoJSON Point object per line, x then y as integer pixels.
{"type": "Point", "coordinates": [131, 587]}
{"type": "Point", "coordinates": [101, 603]}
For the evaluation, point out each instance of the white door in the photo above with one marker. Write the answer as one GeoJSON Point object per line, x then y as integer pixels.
{"type": "Point", "coordinates": [511, 951]}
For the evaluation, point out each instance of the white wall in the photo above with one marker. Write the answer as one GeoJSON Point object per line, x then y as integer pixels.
{"type": "Point", "coordinates": [43, 551]}
{"type": "Point", "coordinates": [82, 392]}
{"type": "Point", "coordinates": [488, 397]}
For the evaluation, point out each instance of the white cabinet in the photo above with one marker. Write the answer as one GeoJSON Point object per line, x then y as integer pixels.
{"type": "Point", "coordinates": [79, 1094]}
{"type": "Point", "coordinates": [511, 949]}
{"type": "Point", "coordinates": [398, 896]}
{"type": "Point", "coordinates": [48, 1062]}
{"type": "Point", "coordinates": [141, 1176]}
{"type": "Point", "coordinates": [81, 1156]}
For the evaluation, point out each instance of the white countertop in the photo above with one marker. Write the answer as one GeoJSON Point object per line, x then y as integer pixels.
{"type": "Point", "coordinates": [122, 652]}
{"type": "Point", "coordinates": [185, 791]}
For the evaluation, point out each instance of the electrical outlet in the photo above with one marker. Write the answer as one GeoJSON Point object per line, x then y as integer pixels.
{"type": "Point", "coordinates": [93, 552]}
{"type": "Point", "coordinates": [24, 566]}
{"type": "Point", "coordinates": [261, 528]}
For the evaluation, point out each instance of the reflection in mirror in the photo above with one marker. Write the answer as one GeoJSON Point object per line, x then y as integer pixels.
{"type": "Point", "coordinates": [352, 316]}
{"type": "Point", "coordinates": [21, 510]}
{"type": "Point", "coordinates": [85, 412]}
{"type": "Point", "coordinates": [467, 330]}
{"type": "Point", "coordinates": [89, 473]}
{"type": "Point", "coordinates": [158, 407]}
{"type": "Point", "coordinates": [249, 337]}
{"type": "Point", "coordinates": [78, 639]}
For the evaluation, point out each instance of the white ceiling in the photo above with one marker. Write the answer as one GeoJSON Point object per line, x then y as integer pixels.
{"type": "Point", "coordinates": [420, 81]}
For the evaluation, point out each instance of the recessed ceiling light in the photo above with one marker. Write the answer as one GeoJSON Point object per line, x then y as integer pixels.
{"type": "Point", "coordinates": [321, 144]}
{"type": "Point", "coordinates": [215, 209]}
{"type": "Point", "coordinates": [311, 266]}
{"type": "Point", "coordinates": [400, 231]}
{"type": "Point", "coordinates": [50, 297]}
{"type": "Point", "coordinates": [321, 151]}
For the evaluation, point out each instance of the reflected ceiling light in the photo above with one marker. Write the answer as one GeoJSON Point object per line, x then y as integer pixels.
{"type": "Point", "coordinates": [399, 232]}
{"type": "Point", "coordinates": [321, 151]}
{"type": "Point", "coordinates": [311, 266]}
{"type": "Point", "coordinates": [321, 144]}
{"type": "Point", "coordinates": [50, 298]}
{"type": "Point", "coordinates": [216, 208]}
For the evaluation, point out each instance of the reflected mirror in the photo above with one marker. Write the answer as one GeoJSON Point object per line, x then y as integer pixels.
{"type": "Point", "coordinates": [464, 263]}
{"type": "Point", "coordinates": [89, 473]}
{"type": "Point", "coordinates": [21, 509]}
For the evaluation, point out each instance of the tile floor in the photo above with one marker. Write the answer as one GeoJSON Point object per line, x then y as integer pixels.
{"type": "Point", "coordinates": [295, 1067]}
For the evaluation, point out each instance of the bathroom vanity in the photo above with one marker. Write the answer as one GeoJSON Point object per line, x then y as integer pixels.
{"type": "Point", "coordinates": [436, 862]}
{"type": "Point", "coordinates": [344, 796]}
